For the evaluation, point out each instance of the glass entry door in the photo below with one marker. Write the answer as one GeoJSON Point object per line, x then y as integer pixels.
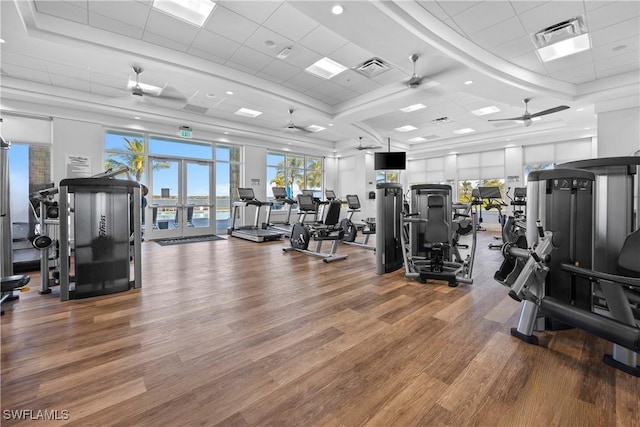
{"type": "Point", "coordinates": [179, 200]}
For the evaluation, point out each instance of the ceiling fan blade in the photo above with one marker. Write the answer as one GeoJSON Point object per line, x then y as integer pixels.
{"type": "Point", "coordinates": [510, 118]}
{"type": "Point", "coordinates": [550, 111]}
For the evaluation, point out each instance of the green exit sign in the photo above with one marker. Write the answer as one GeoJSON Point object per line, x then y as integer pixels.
{"type": "Point", "coordinates": [185, 132]}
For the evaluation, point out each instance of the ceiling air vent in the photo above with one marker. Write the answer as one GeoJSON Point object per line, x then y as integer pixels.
{"type": "Point", "coordinates": [195, 109]}
{"type": "Point", "coordinates": [444, 119]}
{"type": "Point", "coordinates": [372, 67]}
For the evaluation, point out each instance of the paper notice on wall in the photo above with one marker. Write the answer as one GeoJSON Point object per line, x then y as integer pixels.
{"type": "Point", "coordinates": [78, 166]}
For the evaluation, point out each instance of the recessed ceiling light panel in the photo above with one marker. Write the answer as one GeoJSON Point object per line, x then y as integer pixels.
{"type": "Point", "coordinates": [314, 128]}
{"type": "Point", "coordinates": [417, 139]}
{"type": "Point", "coordinates": [463, 131]}
{"type": "Point", "coordinates": [325, 68]}
{"type": "Point", "coordinates": [245, 112]}
{"type": "Point", "coordinates": [406, 128]}
{"type": "Point", "coordinates": [486, 110]}
{"type": "Point", "coordinates": [413, 107]}
{"type": "Point", "coordinates": [337, 10]}
{"type": "Point", "coordinates": [194, 12]}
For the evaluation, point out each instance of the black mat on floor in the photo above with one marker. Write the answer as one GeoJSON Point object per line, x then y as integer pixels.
{"type": "Point", "coordinates": [182, 240]}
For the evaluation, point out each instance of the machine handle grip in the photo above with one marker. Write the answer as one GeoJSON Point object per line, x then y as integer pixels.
{"type": "Point", "coordinates": [540, 229]}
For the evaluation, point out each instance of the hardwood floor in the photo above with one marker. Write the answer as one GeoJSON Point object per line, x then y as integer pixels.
{"type": "Point", "coordinates": [235, 333]}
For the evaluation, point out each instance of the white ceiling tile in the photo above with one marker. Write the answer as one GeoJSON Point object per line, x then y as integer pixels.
{"type": "Point", "coordinates": [606, 51]}
{"type": "Point", "coordinates": [133, 14]}
{"type": "Point", "coordinates": [514, 48]}
{"type": "Point", "coordinates": [107, 91]}
{"type": "Point", "coordinates": [595, 4]}
{"type": "Point", "coordinates": [521, 6]}
{"type": "Point", "coordinates": [290, 22]}
{"type": "Point", "coordinates": [583, 78]}
{"type": "Point", "coordinates": [434, 8]}
{"type": "Point", "coordinates": [530, 61]}
{"type": "Point", "coordinates": [206, 55]}
{"type": "Point", "coordinates": [71, 10]}
{"type": "Point", "coordinates": [250, 58]}
{"type": "Point", "coordinates": [391, 76]}
{"type": "Point", "coordinates": [621, 30]}
{"type": "Point", "coordinates": [351, 55]}
{"type": "Point", "coordinates": [349, 78]}
{"type": "Point", "coordinates": [257, 41]}
{"type": "Point", "coordinates": [24, 73]}
{"type": "Point", "coordinates": [365, 86]}
{"type": "Point", "coordinates": [451, 23]}
{"type": "Point", "coordinates": [301, 57]}
{"type": "Point", "coordinates": [614, 71]}
{"type": "Point", "coordinates": [629, 59]}
{"type": "Point", "coordinates": [257, 11]}
{"type": "Point", "coordinates": [483, 15]}
{"type": "Point", "coordinates": [328, 88]}
{"type": "Point", "coordinates": [215, 44]}
{"type": "Point", "coordinates": [279, 69]}
{"type": "Point", "coordinates": [269, 77]}
{"type": "Point", "coordinates": [612, 14]}
{"type": "Point", "coordinates": [496, 35]}
{"type": "Point", "coordinates": [163, 41]}
{"type": "Point", "coordinates": [230, 24]}
{"type": "Point", "coordinates": [323, 40]}
{"type": "Point", "coordinates": [25, 61]}
{"type": "Point", "coordinates": [550, 13]}
{"type": "Point", "coordinates": [118, 27]}
{"type": "Point", "coordinates": [452, 8]}
{"type": "Point", "coordinates": [119, 82]}
{"type": "Point", "coordinates": [171, 28]}
{"type": "Point", "coordinates": [305, 80]}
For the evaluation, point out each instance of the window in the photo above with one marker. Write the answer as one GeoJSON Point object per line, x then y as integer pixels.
{"type": "Point", "coordinates": [535, 167]}
{"type": "Point", "coordinates": [295, 172]}
{"type": "Point", "coordinates": [125, 149]}
{"type": "Point", "coordinates": [465, 189]}
{"type": "Point", "coordinates": [178, 148]}
{"type": "Point", "coordinates": [387, 176]}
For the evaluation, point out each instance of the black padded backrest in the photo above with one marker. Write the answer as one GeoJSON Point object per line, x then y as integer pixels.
{"type": "Point", "coordinates": [629, 259]}
{"type": "Point", "coordinates": [333, 213]}
{"type": "Point", "coordinates": [437, 228]}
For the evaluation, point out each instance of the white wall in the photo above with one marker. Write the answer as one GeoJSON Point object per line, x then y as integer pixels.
{"type": "Point", "coordinates": [76, 138]}
{"type": "Point", "coordinates": [619, 132]}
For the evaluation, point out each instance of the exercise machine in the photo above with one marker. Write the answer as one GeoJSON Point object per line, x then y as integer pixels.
{"type": "Point", "coordinates": [351, 229]}
{"type": "Point", "coordinates": [255, 232]}
{"type": "Point", "coordinates": [303, 234]}
{"type": "Point", "coordinates": [493, 199]}
{"type": "Point", "coordinates": [389, 207]}
{"type": "Point", "coordinates": [103, 216]}
{"type": "Point", "coordinates": [476, 205]}
{"type": "Point", "coordinates": [46, 236]}
{"type": "Point", "coordinates": [281, 197]}
{"type": "Point", "coordinates": [429, 247]}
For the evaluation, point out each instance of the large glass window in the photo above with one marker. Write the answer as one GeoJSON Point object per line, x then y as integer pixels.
{"type": "Point", "coordinates": [295, 172]}
{"type": "Point", "coordinates": [126, 149]}
{"type": "Point", "coordinates": [465, 189]}
{"type": "Point", "coordinates": [178, 148]}
{"type": "Point", "coordinates": [387, 176]}
{"type": "Point", "coordinates": [535, 167]}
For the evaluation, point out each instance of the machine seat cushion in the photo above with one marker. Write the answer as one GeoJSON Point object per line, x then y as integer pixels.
{"type": "Point", "coordinates": [629, 258]}
{"type": "Point", "coordinates": [10, 283]}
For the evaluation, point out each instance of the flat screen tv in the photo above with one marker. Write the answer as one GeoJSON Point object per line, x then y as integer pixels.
{"type": "Point", "coordinates": [390, 161]}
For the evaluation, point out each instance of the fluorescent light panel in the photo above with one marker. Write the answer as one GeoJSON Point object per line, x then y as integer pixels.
{"type": "Point", "coordinates": [325, 68]}
{"type": "Point", "coordinates": [463, 131]}
{"type": "Point", "coordinates": [314, 128]}
{"type": "Point", "coordinates": [417, 139]}
{"type": "Point", "coordinates": [413, 107]}
{"type": "Point", "coordinates": [486, 110]}
{"type": "Point", "coordinates": [245, 112]}
{"type": "Point", "coordinates": [406, 128]}
{"type": "Point", "coordinates": [195, 12]}
{"type": "Point", "coordinates": [565, 48]}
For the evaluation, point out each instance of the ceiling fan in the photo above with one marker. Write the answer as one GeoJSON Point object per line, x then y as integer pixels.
{"type": "Point", "coordinates": [415, 79]}
{"type": "Point", "coordinates": [527, 116]}
{"type": "Point", "coordinates": [141, 90]}
{"type": "Point", "coordinates": [292, 127]}
{"type": "Point", "coordinates": [365, 147]}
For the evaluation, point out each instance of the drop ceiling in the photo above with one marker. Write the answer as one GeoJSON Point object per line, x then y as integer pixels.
{"type": "Point", "coordinates": [78, 55]}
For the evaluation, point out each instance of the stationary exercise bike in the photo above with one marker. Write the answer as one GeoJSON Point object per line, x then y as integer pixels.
{"type": "Point", "coordinates": [494, 201]}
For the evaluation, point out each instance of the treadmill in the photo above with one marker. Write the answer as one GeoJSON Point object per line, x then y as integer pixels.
{"type": "Point", "coordinates": [280, 196]}
{"type": "Point", "coordinates": [253, 232]}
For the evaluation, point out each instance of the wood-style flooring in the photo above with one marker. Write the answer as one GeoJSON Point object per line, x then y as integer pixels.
{"type": "Point", "coordinates": [235, 333]}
